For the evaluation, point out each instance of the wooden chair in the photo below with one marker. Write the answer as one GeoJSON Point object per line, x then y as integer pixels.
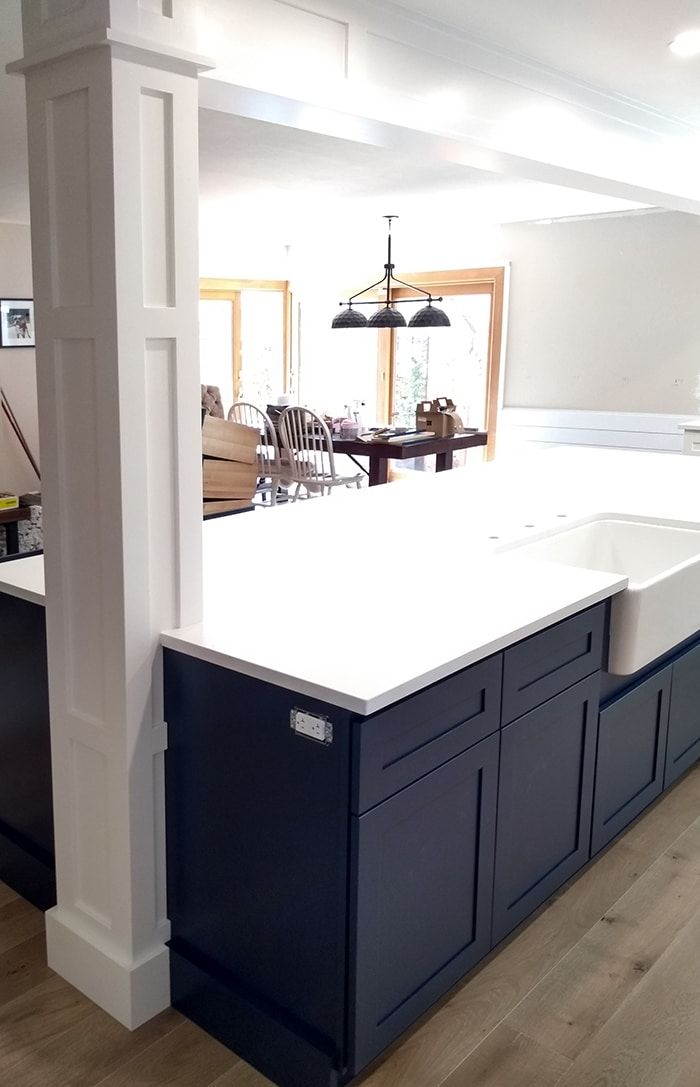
{"type": "Point", "coordinates": [269, 461]}
{"type": "Point", "coordinates": [306, 441]}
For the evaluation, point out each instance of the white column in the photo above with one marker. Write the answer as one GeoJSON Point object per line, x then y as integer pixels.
{"type": "Point", "coordinates": [112, 120]}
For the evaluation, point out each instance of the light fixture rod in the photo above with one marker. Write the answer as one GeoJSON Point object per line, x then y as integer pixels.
{"type": "Point", "coordinates": [396, 301]}
{"type": "Point", "coordinates": [387, 278]}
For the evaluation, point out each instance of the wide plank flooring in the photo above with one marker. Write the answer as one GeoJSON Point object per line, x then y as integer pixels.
{"type": "Point", "coordinates": [600, 989]}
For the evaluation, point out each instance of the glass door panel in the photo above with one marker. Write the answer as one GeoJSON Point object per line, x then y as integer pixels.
{"type": "Point", "coordinates": [450, 362]}
{"type": "Point", "coordinates": [262, 346]}
{"type": "Point", "coordinates": [216, 346]}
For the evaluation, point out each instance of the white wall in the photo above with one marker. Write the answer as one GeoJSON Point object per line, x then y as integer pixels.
{"type": "Point", "coordinates": [17, 366]}
{"type": "Point", "coordinates": [604, 314]}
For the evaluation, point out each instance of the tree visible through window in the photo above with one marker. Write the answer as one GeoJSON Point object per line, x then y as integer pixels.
{"type": "Point", "coordinates": [445, 362]}
{"type": "Point", "coordinates": [461, 362]}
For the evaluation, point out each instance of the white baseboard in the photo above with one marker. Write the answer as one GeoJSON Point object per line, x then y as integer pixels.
{"type": "Point", "coordinates": [606, 429]}
{"type": "Point", "coordinates": [130, 992]}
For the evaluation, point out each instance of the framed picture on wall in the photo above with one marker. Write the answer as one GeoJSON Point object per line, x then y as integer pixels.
{"type": "Point", "coordinates": [17, 322]}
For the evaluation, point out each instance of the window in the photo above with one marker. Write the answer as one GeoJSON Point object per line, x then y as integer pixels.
{"type": "Point", "coordinates": [244, 338]}
{"type": "Point", "coordinates": [462, 362]}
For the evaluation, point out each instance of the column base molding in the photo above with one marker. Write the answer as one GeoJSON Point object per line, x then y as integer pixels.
{"type": "Point", "coordinates": [131, 993]}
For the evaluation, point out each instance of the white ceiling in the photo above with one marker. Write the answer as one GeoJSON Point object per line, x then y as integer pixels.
{"type": "Point", "coordinates": [240, 154]}
{"type": "Point", "coordinates": [618, 46]}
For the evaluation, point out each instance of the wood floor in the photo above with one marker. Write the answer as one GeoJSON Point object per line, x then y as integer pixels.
{"type": "Point", "coordinates": [601, 989]}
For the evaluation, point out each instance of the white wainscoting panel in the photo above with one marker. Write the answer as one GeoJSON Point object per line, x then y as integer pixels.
{"type": "Point", "coordinates": [607, 429]}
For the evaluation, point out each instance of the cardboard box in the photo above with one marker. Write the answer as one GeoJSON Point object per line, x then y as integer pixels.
{"type": "Point", "coordinates": [440, 416]}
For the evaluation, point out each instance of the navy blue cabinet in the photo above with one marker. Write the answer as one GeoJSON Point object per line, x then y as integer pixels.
{"type": "Point", "coordinates": [402, 743]}
{"type": "Point", "coordinates": [630, 760]}
{"type": "Point", "coordinates": [26, 798]}
{"type": "Point", "coordinates": [422, 869]}
{"type": "Point", "coordinates": [683, 747]}
{"type": "Point", "coordinates": [323, 895]}
{"type": "Point", "coordinates": [544, 801]}
{"type": "Point", "coordinates": [257, 845]}
{"type": "Point", "coordinates": [547, 663]}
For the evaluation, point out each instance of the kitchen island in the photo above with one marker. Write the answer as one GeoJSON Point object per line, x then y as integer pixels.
{"type": "Point", "coordinates": [377, 771]}
{"type": "Point", "coordinates": [393, 736]}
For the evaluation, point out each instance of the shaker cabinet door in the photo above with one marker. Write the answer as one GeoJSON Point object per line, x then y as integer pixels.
{"type": "Point", "coordinates": [544, 802]}
{"type": "Point", "coordinates": [423, 869]}
{"type": "Point", "coordinates": [630, 759]}
{"type": "Point", "coordinates": [684, 722]}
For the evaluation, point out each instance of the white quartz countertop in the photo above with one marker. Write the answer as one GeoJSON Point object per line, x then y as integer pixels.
{"type": "Point", "coordinates": [24, 578]}
{"type": "Point", "coordinates": [365, 597]}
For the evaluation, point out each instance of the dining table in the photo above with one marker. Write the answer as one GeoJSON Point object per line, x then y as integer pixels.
{"type": "Point", "coordinates": [379, 453]}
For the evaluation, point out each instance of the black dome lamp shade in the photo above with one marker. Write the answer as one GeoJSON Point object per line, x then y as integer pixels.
{"type": "Point", "coordinates": [387, 316]}
{"type": "Point", "coordinates": [429, 317]}
{"type": "Point", "coordinates": [349, 318]}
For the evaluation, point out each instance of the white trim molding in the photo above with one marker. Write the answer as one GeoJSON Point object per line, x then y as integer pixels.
{"type": "Point", "coordinates": [607, 429]}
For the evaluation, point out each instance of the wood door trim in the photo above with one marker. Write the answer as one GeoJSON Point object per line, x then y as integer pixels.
{"type": "Point", "coordinates": [455, 277]}
{"type": "Point", "coordinates": [244, 284]}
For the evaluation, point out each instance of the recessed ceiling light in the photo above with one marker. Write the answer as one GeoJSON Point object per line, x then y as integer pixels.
{"type": "Point", "coordinates": [686, 44]}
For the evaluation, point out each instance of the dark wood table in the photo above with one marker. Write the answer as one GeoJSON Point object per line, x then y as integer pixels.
{"type": "Point", "coordinates": [10, 519]}
{"type": "Point", "coordinates": [380, 453]}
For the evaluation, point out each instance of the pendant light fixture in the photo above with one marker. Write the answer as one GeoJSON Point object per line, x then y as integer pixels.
{"type": "Point", "coordinates": [387, 316]}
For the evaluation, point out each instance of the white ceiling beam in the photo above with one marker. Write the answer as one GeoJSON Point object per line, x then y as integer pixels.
{"type": "Point", "coordinates": [261, 105]}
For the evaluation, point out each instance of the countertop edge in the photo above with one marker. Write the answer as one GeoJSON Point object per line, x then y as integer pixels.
{"type": "Point", "coordinates": [182, 643]}
{"type": "Point", "coordinates": [23, 593]}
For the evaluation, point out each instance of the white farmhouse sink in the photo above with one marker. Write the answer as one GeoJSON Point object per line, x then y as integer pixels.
{"type": "Point", "coordinates": [661, 606]}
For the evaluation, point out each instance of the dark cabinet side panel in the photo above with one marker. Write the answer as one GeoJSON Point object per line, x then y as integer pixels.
{"type": "Point", "coordinates": [544, 802]}
{"type": "Point", "coordinates": [684, 723]}
{"type": "Point", "coordinates": [423, 862]}
{"type": "Point", "coordinates": [26, 796]}
{"type": "Point", "coordinates": [257, 847]}
{"type": "Point", "coordinates": [630, 760]}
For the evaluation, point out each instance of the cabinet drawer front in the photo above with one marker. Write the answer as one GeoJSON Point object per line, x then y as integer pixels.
{"type": "Point", "coordinates": [401, 744]}
{"type": "Point", "coordinates": [630, 759]}
{"type": "Point", "coordinates": [422, 864]}
{"type": "Point", "coordinates": [683, 747]}
{"type": "Point", "coordinates": [547, 663]}
{"type": "Point", "coordinates": [545, 790]}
